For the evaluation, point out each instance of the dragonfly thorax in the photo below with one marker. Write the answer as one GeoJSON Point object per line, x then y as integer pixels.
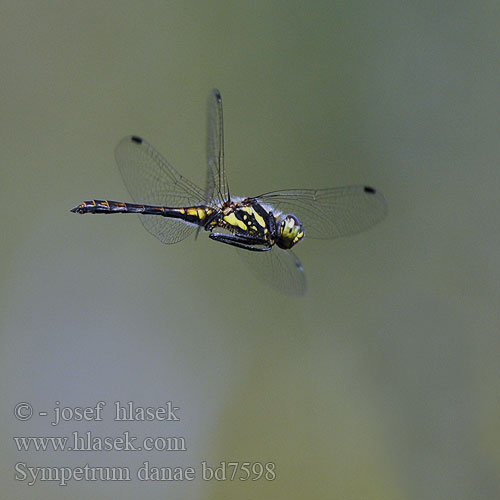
{"type": "Point", "coordinates": [290, 231]}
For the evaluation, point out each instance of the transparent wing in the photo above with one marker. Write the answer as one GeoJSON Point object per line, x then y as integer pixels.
{"type": "Point", "coordinates": [166, 230]}
{"type": "Point", "coordinates": [217, 186]}
{"type": "Point", "coordinates": [278, 268]}
{"type": "Point", "coordinates": [150, 179]}
{"type": "Point", "coordinates": [331, 213]}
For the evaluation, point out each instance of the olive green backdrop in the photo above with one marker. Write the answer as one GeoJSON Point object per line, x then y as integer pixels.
{"type": "Point", "coordinates": [384, 381]}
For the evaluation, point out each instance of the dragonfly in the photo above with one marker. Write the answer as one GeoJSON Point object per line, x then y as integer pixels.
{"type": "Point", "coordinates": [263, 228]}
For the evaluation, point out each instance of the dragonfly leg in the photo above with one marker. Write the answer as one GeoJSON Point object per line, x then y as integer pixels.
{"type": "Point", "coordinates": [241, 241]}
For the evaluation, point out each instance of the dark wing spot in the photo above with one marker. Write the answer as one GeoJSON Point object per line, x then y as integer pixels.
{"type": "Point", "coordinates": [370, 190]}
{"type": "Point", "coordinates": [136, 139]}
{"type": "Point", "coordinates": [217, 95]}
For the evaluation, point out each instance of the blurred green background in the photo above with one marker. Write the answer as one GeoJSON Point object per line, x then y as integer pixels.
{"type": "Point", "coordinates": [384, 381]}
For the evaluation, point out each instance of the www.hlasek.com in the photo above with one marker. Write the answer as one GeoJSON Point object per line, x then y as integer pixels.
{"type": "Point", "coordinates": [224, 471]}
{"type": "Point", "coordinates": [88, 441]}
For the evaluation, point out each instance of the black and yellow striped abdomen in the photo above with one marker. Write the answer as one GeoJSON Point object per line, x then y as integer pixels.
{"type": "Point", "coordinates": [194, 215]}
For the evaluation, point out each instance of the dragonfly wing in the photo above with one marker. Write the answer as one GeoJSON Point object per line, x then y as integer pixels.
{"type": "Point", "coordinates": [217, 186]}
{"type": "Point", "coordinates": [278, 268]}
{"type": "Point", "coordinates": [333, 212]}
{"type": "Point", "coordinates": [167, 230]}
{"type": "Point", "coordinates": [150, 179]}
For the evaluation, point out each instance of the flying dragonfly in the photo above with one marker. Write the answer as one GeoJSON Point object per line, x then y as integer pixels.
{"type": "Point", "coordinates": [263, 228]}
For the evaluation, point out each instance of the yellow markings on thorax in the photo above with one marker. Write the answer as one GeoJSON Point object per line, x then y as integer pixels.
{"type": "Point", "coordinates": [258, 218]}
{"type": "Point", "coordinates": [193, 211]}
{"type": "Point", "coordinates": [232, 220]}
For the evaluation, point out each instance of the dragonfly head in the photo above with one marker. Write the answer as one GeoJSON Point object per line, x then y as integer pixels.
{"type": "Point", "coordinates": [290, 231]}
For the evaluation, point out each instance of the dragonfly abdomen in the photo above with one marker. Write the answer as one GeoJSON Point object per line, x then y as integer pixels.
{"type": "Point", "coordinates": [116, 207]}
{"type": "Point", "coordinates": [194, 215]}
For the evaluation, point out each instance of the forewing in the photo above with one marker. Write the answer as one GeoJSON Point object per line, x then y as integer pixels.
{"type": "Point", "coordinates": [217, 187]}
{"type": "Point", "coordinates": [278, 268]}
{"type": "Point", "coordinates": [150, 179]}
{"type": "Point", "coordinates": [333, 212]}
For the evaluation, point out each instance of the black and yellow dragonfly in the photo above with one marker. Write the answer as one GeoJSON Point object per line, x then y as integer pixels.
{"type": "Point", "coordinates": [264, 228]}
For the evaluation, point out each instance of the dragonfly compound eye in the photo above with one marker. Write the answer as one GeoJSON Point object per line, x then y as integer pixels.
{"type": "Point", "coordinates": [291, 231]}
